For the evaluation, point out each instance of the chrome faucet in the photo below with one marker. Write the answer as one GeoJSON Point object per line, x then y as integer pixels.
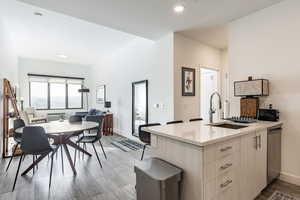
{"type": "Point", "coordinates": [211, 109]}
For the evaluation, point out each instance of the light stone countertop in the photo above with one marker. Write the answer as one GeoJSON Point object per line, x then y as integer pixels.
{"type": "Point", "coordinates": [199, 133]}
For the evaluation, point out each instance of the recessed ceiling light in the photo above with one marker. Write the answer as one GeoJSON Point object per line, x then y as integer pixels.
{"type": "Point", "coordinates": [62, 56]}
{"type": "Point", "coordinates": [38, 13]}
{"type": "Point", "coordinates": [178, 8]}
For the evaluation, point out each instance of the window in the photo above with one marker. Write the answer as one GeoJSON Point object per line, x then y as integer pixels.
{"type": "Point", "coordinates": [74, 97]}
{"type": "Point", "coordinates": [39, 95]}
{"type": "Point", "coordinates": [49, 92]}
{"type": "Point", "coordinates": [57, 95]}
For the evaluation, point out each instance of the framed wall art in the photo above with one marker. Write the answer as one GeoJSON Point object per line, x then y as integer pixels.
{"type": "Point", "coordinates": [188, 81]}
{"type": "Point", "coordinates": [100, 94]}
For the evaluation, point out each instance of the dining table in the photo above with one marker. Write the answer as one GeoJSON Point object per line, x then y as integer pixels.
{"type": "Point", "coordinates": [61, 132]}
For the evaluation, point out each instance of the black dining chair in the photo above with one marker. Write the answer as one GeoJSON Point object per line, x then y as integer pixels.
{"type": "Point", "coordinates": [196, 119]}
{"type": "Point", "coordinates": [145, 136]}
{"type": "Point", "coordinates": [91, 139]}
{"type": "Point", "coordinates": [35, 142]}
{"type": "Point", "coordinates": [175, 122]}
{"type": "Point", "coordinates": [75, 118]}
{"type": "Point", "coordinates": [18, 123]}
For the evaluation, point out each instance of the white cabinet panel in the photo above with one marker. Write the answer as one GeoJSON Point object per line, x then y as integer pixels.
{"type": "Point", "coordinates": [248, 164]}
{"type": "Point", "coordinates": [261, 160]}
{"type": "Point", "coordinates": [254, 164]}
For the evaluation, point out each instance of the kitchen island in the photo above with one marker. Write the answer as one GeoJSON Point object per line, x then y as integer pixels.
{"type": "Point", "coordinates": [219, 163]}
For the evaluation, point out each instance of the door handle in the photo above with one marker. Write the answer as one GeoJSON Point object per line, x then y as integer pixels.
{"type": "Point", "coordinates": [259, 141]}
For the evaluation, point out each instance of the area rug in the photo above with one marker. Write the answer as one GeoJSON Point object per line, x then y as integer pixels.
{"type": "Point", "coordinates": [277, 195]}
{"type": "Point", "coordinates": [127, 145]}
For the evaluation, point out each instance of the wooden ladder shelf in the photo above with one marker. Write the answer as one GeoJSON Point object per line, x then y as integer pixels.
{"type": "Point", "coordinates": [8, 97]}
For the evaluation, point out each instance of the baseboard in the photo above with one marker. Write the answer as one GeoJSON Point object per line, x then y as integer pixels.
{"type": "Point", "coordinates": [290, 178]}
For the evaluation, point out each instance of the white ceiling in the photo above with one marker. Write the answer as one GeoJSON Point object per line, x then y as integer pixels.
{"type": "Point", "coordinates": [153, 18]}
{"type": "Point", "coordinates": [45, 37]}
{"type": "Point", "coordinates": [215, 36]}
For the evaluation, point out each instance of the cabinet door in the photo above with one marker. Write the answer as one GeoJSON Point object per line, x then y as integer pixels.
{"type": "Point", "coordinates": [248, 164]}
{"type": "Point", "coordinates": [261, 161]}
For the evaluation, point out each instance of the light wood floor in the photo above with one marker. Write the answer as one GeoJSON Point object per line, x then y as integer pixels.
{"type": "Point", "coordinates": [115, 181]}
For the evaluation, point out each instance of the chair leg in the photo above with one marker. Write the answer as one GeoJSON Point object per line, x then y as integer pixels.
{"type": "Point", "coordinates": [24, 157]}
{"type": "Point", "coordinates": [75, 156]}
{"type": "Point", "coordinates": [17, 172]}
{"type": "Point", "coordinates": [143, 152]}
{"type": "Point", "coordinates": [102, 149]}
{"type": "Point", "coordinates": [12, 156]}
{"type": "Point", "coordinates": [97, 155]}
{"type": "Point", "coordinates": [37, 165]}
{"type": "Point", "coordinates": [51, 169]}
{"type": "Point", "coordinates": [84, 147]}
{"type": "Point", "coordinates": [33, 159]}
{"type": "Point", "coordinates": [62, 159]}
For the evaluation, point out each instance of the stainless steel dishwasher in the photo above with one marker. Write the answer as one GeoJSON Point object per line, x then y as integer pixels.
{"type": "Point", "coordinates": [274, 153]}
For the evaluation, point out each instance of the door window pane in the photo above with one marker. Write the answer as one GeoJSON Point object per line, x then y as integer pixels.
{"type": "Point", "coordinates": [139, 105]}
{"type": "Point", "coordinates": [74, 97]}
{"type": "Point", "coordinates": [39, 95]}
{"type": "Point", "coordinates": [57, 95]}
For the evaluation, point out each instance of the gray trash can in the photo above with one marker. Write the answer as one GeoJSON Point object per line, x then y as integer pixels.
{"type": "Point", "coordinates": [157, 180]}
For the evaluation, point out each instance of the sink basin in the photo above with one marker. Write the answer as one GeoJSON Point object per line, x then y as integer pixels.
{"type": "Point", "coordinates": [227, 125]}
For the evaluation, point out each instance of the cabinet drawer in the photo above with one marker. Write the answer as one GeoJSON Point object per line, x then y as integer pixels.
{"type": "Point", "coordinates": [228, 147]}
{"type": "Point", "coordinates": [225, 164]}
{"type": "Point", "coordinates": [225, 181]}
{"type": "Point", "coordinates": [224, 187]}
{"type": "Point", "coordinates": [227, 194]}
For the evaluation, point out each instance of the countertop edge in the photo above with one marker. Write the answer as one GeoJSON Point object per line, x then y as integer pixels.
{"type": "Point", "coordinates": [203, 144]}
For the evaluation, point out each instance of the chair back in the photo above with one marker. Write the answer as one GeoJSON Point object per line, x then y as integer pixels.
{"type": "Point", "coordinates": [75, 118]}
{"type": "Point", "coordinates": [100, 128]}
{"type": "Point", "coordinates": [34, 140]}
{"type": "Point", "coordinates": [144, 135]}
{"type": "Point", "coordinates": [196, 119]}
{"type": "Point", "coordinates": [18, 123]}
{"type": "Point", "coordinates": [175, 122]}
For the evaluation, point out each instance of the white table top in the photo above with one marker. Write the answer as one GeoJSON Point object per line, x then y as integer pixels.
{"type": "Point", "coordinates": [57, 127]}
{"type": "Point", "coordinates": [199, 133]}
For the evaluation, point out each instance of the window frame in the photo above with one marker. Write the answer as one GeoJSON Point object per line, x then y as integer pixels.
{"type": "Point", "coordinates": [49, 93]}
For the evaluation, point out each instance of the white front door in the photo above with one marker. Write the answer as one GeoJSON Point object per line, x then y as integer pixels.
{"type": "Point", "coordinates": [209, 85]}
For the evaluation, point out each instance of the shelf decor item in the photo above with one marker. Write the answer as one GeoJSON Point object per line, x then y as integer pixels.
{"type": "Point", "coordinates": [251, 88]}
{"type": "Point", "coordinates": [107, 105]}
{"type": "Point", "coordinates": [188, 81]}
{"type": "Point", "coordinates": [100, 94]}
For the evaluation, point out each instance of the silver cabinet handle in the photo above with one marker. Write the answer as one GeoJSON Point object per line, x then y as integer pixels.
{"type": "Point", "coordinates": [226, 148]}
{"type": "Point", "coordinates": [256, 143]}
{"type": "Point", "coordinates": [223, 167]}
{"type": "Point", "coordinates": [259, 141]}
{"type": "Point", "coordinates": [223, 185]}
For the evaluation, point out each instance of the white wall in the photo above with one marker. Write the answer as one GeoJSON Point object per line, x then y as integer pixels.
{"type": "Point", "coordinates": [34, 66]}
{"type": "Point", "coordinates": [192, 54]}
{"type": "Point", "coordinates": [8, 58]}
{"type": "Point", "coordinates": [8, 68]}
{"type": "Point", "coordinates": [266, 44]}
{"type": "Point", "coordinates": [141, 59]}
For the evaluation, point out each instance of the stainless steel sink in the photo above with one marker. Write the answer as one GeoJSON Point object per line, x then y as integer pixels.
{"type": "Point", "coordinates": [228, 125]}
